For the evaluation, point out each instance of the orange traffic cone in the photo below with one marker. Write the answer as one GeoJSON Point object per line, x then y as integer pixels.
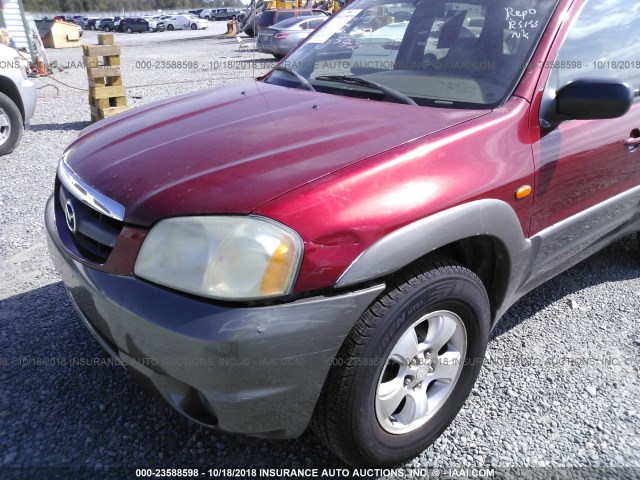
{"type": "Point", "coordinates": [40, 67]}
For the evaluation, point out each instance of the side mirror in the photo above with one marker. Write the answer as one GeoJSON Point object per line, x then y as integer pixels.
{"type": "Point", "coordinates": [589, 99]}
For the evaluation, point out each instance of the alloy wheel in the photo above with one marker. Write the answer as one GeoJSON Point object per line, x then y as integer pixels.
{"type": "Point", "coordinates": [421, 372]}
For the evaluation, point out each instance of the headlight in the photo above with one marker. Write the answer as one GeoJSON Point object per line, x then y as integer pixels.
{"type": "Point", "coordinates": [226, 258]}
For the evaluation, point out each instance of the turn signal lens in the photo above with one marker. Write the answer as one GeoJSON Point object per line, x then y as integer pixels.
{"type": "Point", "coordinates": [278, 269]}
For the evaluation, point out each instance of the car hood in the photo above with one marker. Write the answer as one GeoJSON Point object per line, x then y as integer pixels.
{"type": "Point", "coordinates": [232, 149]}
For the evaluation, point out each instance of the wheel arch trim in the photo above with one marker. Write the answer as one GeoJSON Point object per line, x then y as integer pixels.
{"type": "Point", "coordinates": [407, 244]}
{"type": "Point", "coordinates": [10, 89]}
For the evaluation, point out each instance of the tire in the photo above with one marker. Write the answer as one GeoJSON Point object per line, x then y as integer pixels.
{"type": "Point", "coordinates": [11, 125]}
{"type": "Point", "coordinates": [170, 27]}
{"type": "Point", "coordinates": [356, 416]}
{"type": "Point", "coordinates": [93, 27]}
{"type": "Point", "coordinates": [107, 29]}
{"type": "Point", "coordinates": [129, 30]}
{"type": "Point", "coordinates": [194, 26]}
{"type": "Point", "coordinates": [208, 18]}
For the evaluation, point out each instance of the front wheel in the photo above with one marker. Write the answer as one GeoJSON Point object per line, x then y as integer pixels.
{"type": "Point", "coordinates": [406, 368]}
{"type": "Point", "coordinates": [194, 26]}
{"type": "Point", "coordinates": [170, 27]}
{"type": "Point", "coordinates": [107, 29]}
{"type": "Point", "coordinates": [129, 30]}
{"type": "Point", "coordinates": [10, 125]}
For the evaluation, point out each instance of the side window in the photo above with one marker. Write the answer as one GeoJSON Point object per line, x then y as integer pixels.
{"type": "Point", "coordinates": [603, 42]}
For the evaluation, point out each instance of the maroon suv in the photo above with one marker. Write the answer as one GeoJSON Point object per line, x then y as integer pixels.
{"type": "Point", "coordinates": [325, 248]}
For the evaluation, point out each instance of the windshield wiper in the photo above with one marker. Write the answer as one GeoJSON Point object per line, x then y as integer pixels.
{"type": "Point", "coordinates": [390, 92]}
{"type": "Point", "coordinates": [303, 81]}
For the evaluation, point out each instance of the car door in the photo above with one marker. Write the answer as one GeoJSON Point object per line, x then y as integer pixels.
{"type": "Point", "coordinates": [586, 173]}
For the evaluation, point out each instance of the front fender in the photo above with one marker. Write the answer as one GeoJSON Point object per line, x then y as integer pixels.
{"type": "Point", "coordinates": [398, 249]}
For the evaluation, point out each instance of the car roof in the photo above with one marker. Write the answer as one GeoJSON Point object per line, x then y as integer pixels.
{"type": "Point", "coordinates": [292, 22]}
{"type": "Point", "coordinates": [289, 22]}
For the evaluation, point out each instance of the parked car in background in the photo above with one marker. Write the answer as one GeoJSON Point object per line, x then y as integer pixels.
{"type": "Point", "coordinates": [136, 24]}
{"type": "Point", "coordinates": [162, 18]}
{"type": "Point", "coordinates": [120, 25]}
{"type": "Point", "coordinates": [156, 24]}
{"type": "Point", "coordinates": [226, 13]}
{"type": "Point", "coordinates": [17, 99]}
{"type": "Point", "coordinates": [91, 24]}
{"type": "Point", "coordinates": [81, 21]}
{"type": "Point", "coordinates": [271, 17]}
{"type": "Point", "coordinates": [185, 22]}
{"type": "Point", "coordinates": [107, 24]}
{"type": "Point", "coordinates": [281, 38]}
{"type": "Point", "coordinates": [344, 269]}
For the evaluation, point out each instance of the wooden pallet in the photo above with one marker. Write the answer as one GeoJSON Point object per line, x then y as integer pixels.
{"type": "Point", "coordinates": [106, 93]}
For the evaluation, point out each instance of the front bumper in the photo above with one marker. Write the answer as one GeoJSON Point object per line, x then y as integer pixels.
{"type": "Point", "coordinates": [257, 371]}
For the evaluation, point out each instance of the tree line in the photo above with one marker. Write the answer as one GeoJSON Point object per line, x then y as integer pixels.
{"type": "Point", "coordinates": [72, 6]}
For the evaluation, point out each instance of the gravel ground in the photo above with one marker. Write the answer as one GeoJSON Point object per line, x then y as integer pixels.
{"type": "Point", "coordinates": [560, 387]}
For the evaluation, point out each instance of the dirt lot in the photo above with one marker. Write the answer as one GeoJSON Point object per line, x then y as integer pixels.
{"type": "Point", "coordinates": [524, 412]}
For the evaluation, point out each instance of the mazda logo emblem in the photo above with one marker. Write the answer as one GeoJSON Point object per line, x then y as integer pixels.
{"type": "Point", "coordinates": [70, 214]}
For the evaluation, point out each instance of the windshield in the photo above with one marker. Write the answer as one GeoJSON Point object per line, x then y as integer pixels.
{"type": "Point", "coordinates": [436, 52]}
